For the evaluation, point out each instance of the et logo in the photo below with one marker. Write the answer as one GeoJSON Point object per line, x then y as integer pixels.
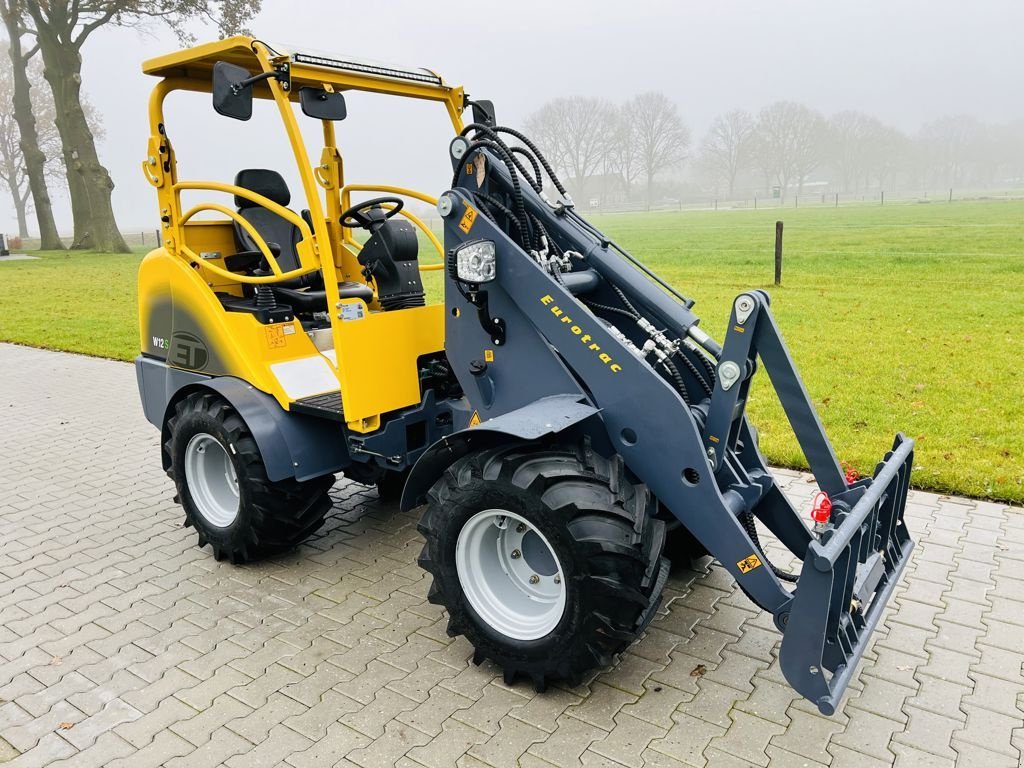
{"type": "Point", "coordinates": [188, 351]}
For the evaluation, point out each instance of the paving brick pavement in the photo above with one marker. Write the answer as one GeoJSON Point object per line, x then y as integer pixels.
{"type": "Point", "coordinates": [122, 644]}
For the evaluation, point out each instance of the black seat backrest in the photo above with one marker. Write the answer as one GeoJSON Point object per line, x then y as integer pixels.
{"type": "Point", "coordinates": [271, 227]}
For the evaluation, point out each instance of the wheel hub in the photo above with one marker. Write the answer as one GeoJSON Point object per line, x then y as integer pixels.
{"type": "Point", "coordinates": [510, 574]}
{"type": "Point", "coordinates": [212, 481]}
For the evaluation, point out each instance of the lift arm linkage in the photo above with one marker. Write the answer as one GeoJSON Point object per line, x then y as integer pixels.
{"type": "Point", "coordinates": [850, 571]}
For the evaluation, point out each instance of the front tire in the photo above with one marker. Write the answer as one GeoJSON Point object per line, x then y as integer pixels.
{"type": "Point", "coordinates": [547, 559]}
{"type": "Point", "coordinates": [222, 484]}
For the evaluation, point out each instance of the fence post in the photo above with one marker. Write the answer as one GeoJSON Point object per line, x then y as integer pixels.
{"type": "Point", "coordinates": [778, 253]}
{"type": "Point", "coordinates": [755, 202]}
{"type": "Point", "coordinates": [159, 242]}
{"type": "Point", "coordinates": [837, 199]}
{"type": "Point", "coordinates": [142, 236]}
{"type": "Point", "coordinates": [883, 197]}
{"type": "Point", "coordinates": [951, 194]}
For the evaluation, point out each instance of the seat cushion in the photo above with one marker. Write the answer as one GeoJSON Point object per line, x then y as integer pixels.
{"type": "Point", "coordinates": [316, 301]}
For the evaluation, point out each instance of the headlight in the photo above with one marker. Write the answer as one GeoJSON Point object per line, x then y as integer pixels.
{"type": "Point", "coordinates": [475, 262]}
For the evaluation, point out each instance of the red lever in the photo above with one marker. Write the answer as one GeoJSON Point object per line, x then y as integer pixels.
{"type": "Point", "coordinates": [852, 475]}
{"type": "Point", "coordinates": [822, 509]}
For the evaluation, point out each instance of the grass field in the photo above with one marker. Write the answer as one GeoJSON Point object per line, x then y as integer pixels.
{"type": "Point", "coordinates": [905, 317]}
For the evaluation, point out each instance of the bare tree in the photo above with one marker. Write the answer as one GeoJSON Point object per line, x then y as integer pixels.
{"type": "Point", "coordinates": [887, 155]}
{"type": "Point", "coordinates": [850, 135]}
{"type": "Point", "coordinates": [950, 146]}
{"type": "Point", "coordinates": [789, 144]}
{"type": "Point", "coordinates": [14, 166]}
{"type": "Point", "coordinates": [576, 134]}
{"type": "Point", "coordinates": [726, 149]}
{"type": "Point", "coordinates": [659, 135]}
{"type": "Point", "coordinates": [624, 156]}
{"type": "Point", "coordinates": [33, 157]}
{"type": "Point", "coordinates": [61, 29]}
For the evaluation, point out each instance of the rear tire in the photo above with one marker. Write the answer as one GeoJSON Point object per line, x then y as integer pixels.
{"type": "Point", "coordinates": [587, 525]}
{"type": "Point", "coordinates": [222, 485]}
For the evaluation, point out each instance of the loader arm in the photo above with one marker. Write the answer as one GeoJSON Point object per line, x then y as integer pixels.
{"type": "Point", "coordinates": [566, 312]}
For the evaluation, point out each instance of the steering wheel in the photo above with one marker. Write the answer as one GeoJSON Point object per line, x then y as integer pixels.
{"type": "Point", "coordinates": [357, 215]}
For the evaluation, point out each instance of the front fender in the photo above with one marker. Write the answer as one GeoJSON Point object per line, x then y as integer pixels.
{"type": "Point", "coordinates": [542, 418]}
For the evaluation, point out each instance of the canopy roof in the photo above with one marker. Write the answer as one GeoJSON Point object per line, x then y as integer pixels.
{"type": "Point", "coordinates": [308, 67]}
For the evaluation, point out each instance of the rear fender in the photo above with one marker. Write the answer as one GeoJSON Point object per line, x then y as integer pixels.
{"type": "Point", "coordinates": [542, 418]}
{"type": "Point", "coordinates": [291, 445]}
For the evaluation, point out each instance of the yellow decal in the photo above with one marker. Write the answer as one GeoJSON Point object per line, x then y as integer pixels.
{"type": "Point", "coordinates": [474, 419]}
{"type": "Point", "coordinates": [713, 439]}
{"type": "Point", "coordinates": [488, 355]}
{"type": "Point", "coordinates": [467, 220]}
{"type": "Point", "coordinates": [739, 329]}
{"type": "Point", "coordinates": [747, 564]}
{"type": "Point", "coordinates": [275, 336]}
{"type": "Point", "coordinates": [578, 332]}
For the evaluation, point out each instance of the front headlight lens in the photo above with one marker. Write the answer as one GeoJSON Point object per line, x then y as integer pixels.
{"type": "Point", "coordinates": [475, 262]}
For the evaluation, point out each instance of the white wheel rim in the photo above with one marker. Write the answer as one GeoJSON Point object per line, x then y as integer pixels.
{"type": "Point", "coordinates": [211, 479]}
{"type": "Point", "coordinates": [510, 574]}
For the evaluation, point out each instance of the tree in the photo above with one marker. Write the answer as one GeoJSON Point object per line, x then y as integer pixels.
{"type": "Point", "coordinates": [887, 155]}
{"type": "Point", "coordinates": [61, 29]}
{"type": "Point", "coordinates": [850, 135]}
{"type": "Point", "coordinates": [13, 163]}
{"type": "Point", "coordinates": [659, 135]}
{"type": "Point", "coordinates": [789, 144]}
{"type": "Point", "coordinates": [576, 134]}
{"type": "Point", "coordinates": [33, 157]}
{"type": "Point", "coordinates": [726, 148]}
{"type": "Point", "coordinates": [952, 147]}
{"type": "Point", "coordinates": [623, 155]}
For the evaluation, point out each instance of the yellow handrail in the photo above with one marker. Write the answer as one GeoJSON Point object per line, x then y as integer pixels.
{"type": "Point", "coordinates": [255, 197]}
{"type": "Point", "coordinates": [261, 244]}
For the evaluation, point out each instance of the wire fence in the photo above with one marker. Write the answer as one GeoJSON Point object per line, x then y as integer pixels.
{"type": "Point", "coordinates": [139, 239]}
{"type": "Point", "coordinates": [806, 199]}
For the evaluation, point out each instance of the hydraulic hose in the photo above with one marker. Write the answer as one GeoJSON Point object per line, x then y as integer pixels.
{"type": "Point", "coordinates": [747, 518]}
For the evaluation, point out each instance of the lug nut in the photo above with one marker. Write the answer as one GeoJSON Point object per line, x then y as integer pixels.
{"type": "Point", "coordinates": [534, 579]}
{"type": "Point", "coordinates": [521, 528]}
{"type": "Point", "coordinates": [558, 579]}
{"type": "Point", "coordinates": [516, 554]}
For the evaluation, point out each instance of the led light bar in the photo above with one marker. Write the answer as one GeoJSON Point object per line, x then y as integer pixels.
{"type": "Point", "coordinates": [366, 68]}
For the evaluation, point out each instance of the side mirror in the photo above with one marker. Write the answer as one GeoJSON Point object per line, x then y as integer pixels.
{"type": "Point", "coordinates": [483, 112]}
{"type": "Point", "coordinates": [322, 105]}
{"type": "Point", "coordinates": [232, 96]}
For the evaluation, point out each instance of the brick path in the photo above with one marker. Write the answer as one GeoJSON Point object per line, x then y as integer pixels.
{"type": "Point", "coordinates": [122, 644]}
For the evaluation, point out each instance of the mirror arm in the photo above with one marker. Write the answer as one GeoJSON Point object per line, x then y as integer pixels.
{"type": "Point", "coordinates": [237, 88]}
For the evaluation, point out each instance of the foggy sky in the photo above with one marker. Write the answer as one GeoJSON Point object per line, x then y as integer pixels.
{"type": "Point", "coordinates": [905, 61]}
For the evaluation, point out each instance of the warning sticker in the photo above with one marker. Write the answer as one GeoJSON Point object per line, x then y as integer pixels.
{"type": "Point", "coordinates": [275, 336]}
{"type": "Point", "coordinates": [747, 564]}
{"type": "Point", "coordinates": [468, 218]}
{"type": "Point", "coordinates": [474, 419]}
{"type": "Point", "coordinates": [489, 355]}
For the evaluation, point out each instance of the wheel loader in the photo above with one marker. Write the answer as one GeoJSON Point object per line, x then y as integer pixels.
{"type": "Point", "coordinates": [561, 417]}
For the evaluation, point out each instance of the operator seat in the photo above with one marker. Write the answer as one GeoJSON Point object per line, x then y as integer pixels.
{"type": "Point", "coordinates": [306, 293]}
